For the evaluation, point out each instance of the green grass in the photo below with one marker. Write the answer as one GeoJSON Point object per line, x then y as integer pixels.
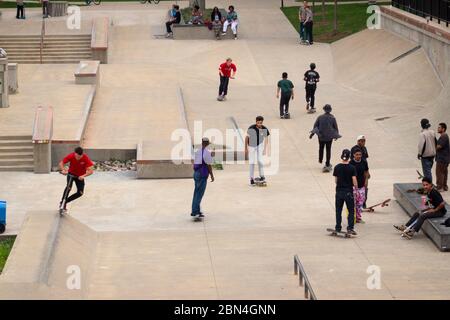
{"type": "Point", "coordinates": [6, 244]}
{"type": "Point", "coordinates": [11, 4]}
{"type": "Point", "coordinates": [352, 18]}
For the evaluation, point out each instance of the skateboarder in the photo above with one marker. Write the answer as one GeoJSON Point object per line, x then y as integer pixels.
{"type": "Point", "coordinates": [302, 19]}
{"type": "Point", "coordinates": [362, 175]}
{"type": "Point", "coordinates": [326, 129]}
{"type": "Point", "coordinates": [346, 183]}
{"type": "Point", "coordinates": [80, 167]}
{"type": "Point", "coordinates": [255, 148]}
{"type": "Point", "coordinates": [227, 71]}
{"type": "Point", "coordinates": [309, 26]}
{"type": "Point", "coordinates": [311, 77]}
{"type": "Point", "coordinates": [202, 170]}
{"type": "Point", "coordinates": [436, 210]}
{"type": "Point", "coordinates": [426, 148]}
{"type": "Point", "coordinates": [287, 93]}
{"type": "Point", "coordinates": [361, 144]}
{"type": "Point", "coordinates": [442, 158]}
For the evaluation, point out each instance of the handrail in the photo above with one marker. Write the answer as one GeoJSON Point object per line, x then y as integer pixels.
{"type": "Point", "coordinates": [303, 279]}
{"type": "Point", "coordinates": [41, 48]}
{"type": "Point", "coordinates": [439, 9]}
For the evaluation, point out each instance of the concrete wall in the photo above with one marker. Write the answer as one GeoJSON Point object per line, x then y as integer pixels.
{"type": "Point", "coordinates": [435, 42]}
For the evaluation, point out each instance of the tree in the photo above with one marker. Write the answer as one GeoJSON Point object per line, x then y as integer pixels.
{"type": "Point", "coordinates": [335, 17]}
{"type": "Point", "coordinates": [200, 3]}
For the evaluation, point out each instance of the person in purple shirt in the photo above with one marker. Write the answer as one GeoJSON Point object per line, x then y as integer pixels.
{"type": "Point", "coordinates": [202, 170]}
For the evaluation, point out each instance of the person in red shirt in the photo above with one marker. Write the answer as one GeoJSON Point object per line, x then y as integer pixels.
{"type": "Point", "coordinates": [227, 70]}
{"type": "Point", "coordinates": [80, 167]}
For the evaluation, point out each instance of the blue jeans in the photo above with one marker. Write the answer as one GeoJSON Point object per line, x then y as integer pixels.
{"type": "Point", "coordinates": [347, 197]}
{"type": "Point", "coordinates": [302, 31]}
{"type": "Point", "coordinates": [427, 165]}
{"type": "Point", "coordinates": [199, 191]}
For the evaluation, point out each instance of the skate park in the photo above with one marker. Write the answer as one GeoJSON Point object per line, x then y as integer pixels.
{"type": "Point", "coordinates": [133, 238]}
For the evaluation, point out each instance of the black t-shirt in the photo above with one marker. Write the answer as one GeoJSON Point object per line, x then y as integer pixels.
{"type": "Point", "coordinates": [435, 199]}
{"type": "Point", "coordinates": [361, 167]}
{"type": "Point", "coordinates": [177, 17]}
{"type": "Point", "coordinates": [257, 135]}
{"type": "Point", "coordinates": [443, 154]}
{"type": "Point", "coordinates": [365, 154]}
{"type": "Point", "coordinates": [344, 174]}
{"type": "Point", "coordinates": [311, 77]}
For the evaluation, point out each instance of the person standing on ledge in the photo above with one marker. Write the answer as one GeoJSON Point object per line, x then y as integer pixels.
{"type": "Point", "coordinates": [202, 170]}
{"type": "Point", "coordinates": [80, 167]}
{"type": "Point", "coordinates": [20, 9]}
{"type": "Point", "coordinates": [442, 158]}
{"type": "Point", "coordinates": [287, 93]}
{"type": "Point", "coordinates": [227, 71]}
{"type": "Point", "coordinates": [426, 148]}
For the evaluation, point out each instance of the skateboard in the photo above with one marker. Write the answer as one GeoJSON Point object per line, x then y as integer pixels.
{"type": "Point", "coordinates": [287, 116]}
{"type": "Point", "coordinates": [311, 110]}
{"type": "Point", "coordinates": [197, 218]}
{"type": "Point", "coordinates": [385, 203]}
{"type": "Point", "coordinates": [259, 183]}
{"type": "Point", "coordinates": [66, 194]}
{"type": "Point", "coordinates": [327, 169]}
{"type": "Point", "coordinates": [421, 176]}
{"type": "Point", "coordinates": [343, 234]}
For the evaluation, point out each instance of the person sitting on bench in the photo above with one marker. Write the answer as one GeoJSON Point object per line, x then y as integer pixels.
{"type": "Point", "coordinates": [231, 19]}
{"type": "Point", "coordinates": [173, 20]}
{"type": "Point", "coordinates": [197, 16]}
{"type": "Point", "coordinates": [216, 22]}
{"type": "Point", "coordinates": [436, 209]}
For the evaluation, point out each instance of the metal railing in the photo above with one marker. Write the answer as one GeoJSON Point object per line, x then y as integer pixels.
{"type": "Point", "coordinates": [41, 44]}
{"type": "Point", "coordinates": [428, 9]}
{"type": "Point", "coordinates": [303, 279]}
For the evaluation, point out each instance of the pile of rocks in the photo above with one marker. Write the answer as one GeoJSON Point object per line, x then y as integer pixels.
{"type": "Point", "coordinates": [115, 165]}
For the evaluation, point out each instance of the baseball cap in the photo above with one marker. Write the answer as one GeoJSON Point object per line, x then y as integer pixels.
{"type": "Point", "coordinates": [205, 139]}
{"type": "Point", "coordinates": [345, 154]}
{"type": "Point", "coordinates": [361, 137]}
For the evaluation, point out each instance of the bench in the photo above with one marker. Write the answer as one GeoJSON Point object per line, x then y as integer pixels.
{"type": "Point", "coordinates": [99, 39]}
{"type": "Point", "coordinates": [185, 31]}
{"type": "Point", "coordinates": [411, 202]}
{"type": "Point", "coordinates": [88, 72]}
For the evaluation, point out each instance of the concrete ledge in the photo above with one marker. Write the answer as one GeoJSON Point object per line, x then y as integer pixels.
{"type": "Point", "coordinates": [411, 203]}
{"type": "Point", "coordinates": [197, 32]}
{"type": "Point", "coordinates": [88, 72]}
{"type": "Point", "coordinates": [13, 83]}
{"type": "Point", "coordinates": [99, 39]}
{"type": "Point", "coordinates": [29, 258]}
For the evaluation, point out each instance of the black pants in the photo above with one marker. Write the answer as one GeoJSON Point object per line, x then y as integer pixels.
{"type": "Point", "coordinates": [327, 145]}
{"type": "Point", "coordinates": [284, 103]}
{"type": "Point", "coordinates": [310, 92]}
{"type": "Point", "coordinates": [80, 189]}
{"type": "Point", "coordinates": [421, 217]}
{"type": "Point", "coordinates": [345, 196]}
{"type": "Point", "coordinates": [45, 8]}
{"type": "Point", "coordinates": [169, 26]}
{"type": "Point", "coordinates": [20, 12]}
{"type": "Point", "coordinates": [223, 87]}
{"type": "Point", "coordinates": [309, 32]}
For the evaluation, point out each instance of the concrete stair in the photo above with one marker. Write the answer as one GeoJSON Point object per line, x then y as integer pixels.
{"type": "Point", "coordinates": [56, 49]}
{"type": "Point", "coordinates": [16, 153]}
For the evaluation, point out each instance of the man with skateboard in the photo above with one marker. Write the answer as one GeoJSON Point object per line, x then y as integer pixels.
{"type": "Point", "coordinates": [80, 167]}
{"type": "Point", "coordinates": [227, 71]}
{"type": "Point", "coordinates": [436, 209]}
{"type": "Point", "coordinates": [202, 170]}
{"type": "Point", "coordinates": [362, 175]}
{"type": "Point", "coordinates": [255, 148]}
{"type": "Point", "coordinates": [326, 129]}
{"type": "Point", "coordinates": [287, 93]}
{"type": "Point", "coordinates": [346, 184]}
{"type": "Point", "coordinates": [311, 77]}
{"type": "Point", "coordinates": [361, 144]}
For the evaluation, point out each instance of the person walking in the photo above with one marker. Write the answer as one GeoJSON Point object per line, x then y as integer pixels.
{"type": "Point", "coordinates": [20, 9]}
{"type": "Point", "coordinates": [346, 183]}
{"type": "Point", "coordinates": [362, 175]}
{"type": "Point", "coordinates": [231, 20]}
{"type": "Point", "coordinates": [287, 93]}
{"type": "Point", "coordinates": [436, 209]}
{"type": "Point", "coordinates": [255, 148]}
{"type": "Point", "coordinates": [442, 158]}
{"type": "Point", "coordinates": [426, 148]}
{"type": "Point", "coordinates": [361, 144]}
{"type": "Point", "coordinates": [311, 77]}
{"type": "Point", "coordinates": [326, 129]}
{"type": "Point", "coordinates": [227, 71]}
{"type": "Point", "coordinates": [80, 167]}
{"type": "Point", "coordinates": [202, 170]}
{"type": "Point", "coordinates": [308, 25]}
{"type": "Point", "coordinates": [302, 19]}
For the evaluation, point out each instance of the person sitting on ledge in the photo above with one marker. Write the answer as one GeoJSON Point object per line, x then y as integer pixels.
{"type": "Point", "coordinates": [197, 16]}
{"type": "Point", "coordinates": [436, 209]}
{"type": "Point", "coordinates": [173, 20]}
{"type": "Point", "coordinates": [216, 22]}
{"type": "Point", "coordinates": [231, 19]}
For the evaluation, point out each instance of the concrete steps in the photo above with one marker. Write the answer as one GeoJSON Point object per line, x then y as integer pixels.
{"type": "Point", "coordinates": [16, 153]}
{"type": "Point", "coordinates": [56, 48]}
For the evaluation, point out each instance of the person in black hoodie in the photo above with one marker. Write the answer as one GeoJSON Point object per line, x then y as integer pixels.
{"type": "Point", "coordinates": [326, 129]}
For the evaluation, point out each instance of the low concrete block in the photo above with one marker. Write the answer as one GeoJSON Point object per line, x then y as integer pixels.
{"type": "Point", "coordinates": [13, 83]}
{"type": "Point", "coordinates": [197, 32]}
{"type": "Point", "coordinates": [411, 203]}
{"type": "Point", "coordinates": [88, 72]}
